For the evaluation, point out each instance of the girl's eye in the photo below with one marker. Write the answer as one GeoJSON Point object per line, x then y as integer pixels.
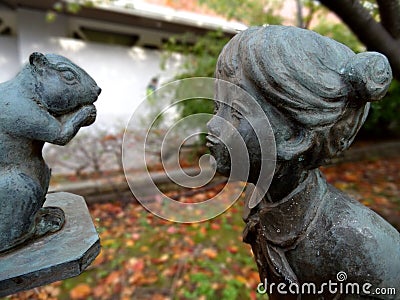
{"type": "Point", "coordinates": [68, 75]}
{"type": "Point", "coordinates": [236, 113]}
{"type": "Point", "coordinates": [216, 107]}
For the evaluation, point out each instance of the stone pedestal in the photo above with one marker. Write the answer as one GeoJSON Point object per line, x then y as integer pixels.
{"type": "Point", "coordinates": [58, 256]}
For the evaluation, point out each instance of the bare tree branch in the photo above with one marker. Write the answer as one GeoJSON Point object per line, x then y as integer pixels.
{"type": "Point", "coordinates": [312, 8]}
{"type": "Point", "coordinates": [371, 33]}
{"type": "Point", "coordinates": [389, 11]}
{"type": "Point", "coordinates": [299, 14]}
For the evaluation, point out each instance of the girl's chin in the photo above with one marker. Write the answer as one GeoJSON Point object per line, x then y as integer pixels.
{"type": "Point", "coordinates": [238, 176]}
{"type": "Point", "coordinates": [223, 170]}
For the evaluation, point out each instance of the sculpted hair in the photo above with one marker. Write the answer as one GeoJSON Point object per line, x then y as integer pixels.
{"type": "Point", "coordinates": [322, 86]}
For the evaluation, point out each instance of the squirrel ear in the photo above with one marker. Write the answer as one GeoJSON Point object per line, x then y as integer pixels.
{"type": "Point", "coordinates": [37, 59]}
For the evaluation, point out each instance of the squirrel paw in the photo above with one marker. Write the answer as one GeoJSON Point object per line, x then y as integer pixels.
{"type": "Point", "coordinates": [91, 116]}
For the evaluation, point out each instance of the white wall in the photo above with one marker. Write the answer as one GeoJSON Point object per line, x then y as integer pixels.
{"type": "Point", "coordinates": [9, 59]}
{"type": "Point", "coordinates": [122, 72]}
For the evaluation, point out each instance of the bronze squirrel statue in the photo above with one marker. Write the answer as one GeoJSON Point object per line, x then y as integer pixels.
{"type": "Point", "coordinates": [49, 100]}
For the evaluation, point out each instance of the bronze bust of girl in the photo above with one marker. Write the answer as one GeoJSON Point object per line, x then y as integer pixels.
{"type": "Point", "coordinates": [316, 93]}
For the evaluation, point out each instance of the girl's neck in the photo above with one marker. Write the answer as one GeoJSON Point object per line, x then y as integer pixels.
{"type": "Point", "coordinates": [287, 178]}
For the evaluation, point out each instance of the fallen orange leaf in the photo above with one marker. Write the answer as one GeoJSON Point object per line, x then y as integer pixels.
{"type": "Point", "coordinates": [113, 278]}
{"type": "Point", "coordinates": [210, 252]}
{"type": "Point", "coordinates": [81, 291]}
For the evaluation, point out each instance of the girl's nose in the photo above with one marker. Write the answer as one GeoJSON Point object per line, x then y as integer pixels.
{"type": "Point", "coordinates": [214, 126]}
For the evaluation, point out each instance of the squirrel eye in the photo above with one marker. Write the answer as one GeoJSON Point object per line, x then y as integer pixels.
{"type": "Point", "coordinates": [68, 75]}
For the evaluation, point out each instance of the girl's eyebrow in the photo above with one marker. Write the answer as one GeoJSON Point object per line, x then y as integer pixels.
{"type": "Point", "coordinates": [238, 105]}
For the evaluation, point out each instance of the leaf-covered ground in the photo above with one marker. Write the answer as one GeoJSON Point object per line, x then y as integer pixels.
{"type": "Point", "coordinates": [144, 257]}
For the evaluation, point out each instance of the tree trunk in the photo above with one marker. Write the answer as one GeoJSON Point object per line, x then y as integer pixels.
{"type": "Point", "coordinates": [299, 14]}
{"type": "Point", "coordinates": [371, 33]}
{"type": "Point", "coordinates": [389, 12]}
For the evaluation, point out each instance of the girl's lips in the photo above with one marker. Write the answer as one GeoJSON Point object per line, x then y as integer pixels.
{"type": "Point", "coordinates": [211, 140]}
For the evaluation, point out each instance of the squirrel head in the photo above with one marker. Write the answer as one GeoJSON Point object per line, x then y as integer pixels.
{"type": "Point", "coordinates": [61, 86]}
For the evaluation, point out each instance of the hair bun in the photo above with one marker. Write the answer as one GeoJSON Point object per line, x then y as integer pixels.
{"type": "Point", "coordinates": [369, 75]}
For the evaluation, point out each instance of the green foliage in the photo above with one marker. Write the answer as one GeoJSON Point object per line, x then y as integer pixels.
{"type": "Point", "coordinates": [312, 8]}
{"type": "Point", "coordinates": [72, 7]}
{"type": "Point", "coordinates": [340, 33]}
{"type": "Point", "coordinates": [372, 7]}
{"type": "Point", "coordinates": [201, 56]}
{"type": "Point", "coordinates": [203, 287]}
{"type": "Point", "coordinates": [232, 289]}
{"type": "Point", "coordinates": [383, 118]}
{"type": "Point", "coordinates": [200, 61]}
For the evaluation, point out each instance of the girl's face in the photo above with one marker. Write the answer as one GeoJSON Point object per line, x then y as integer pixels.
{"type": "Point", "coordinates": [237, 132]}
